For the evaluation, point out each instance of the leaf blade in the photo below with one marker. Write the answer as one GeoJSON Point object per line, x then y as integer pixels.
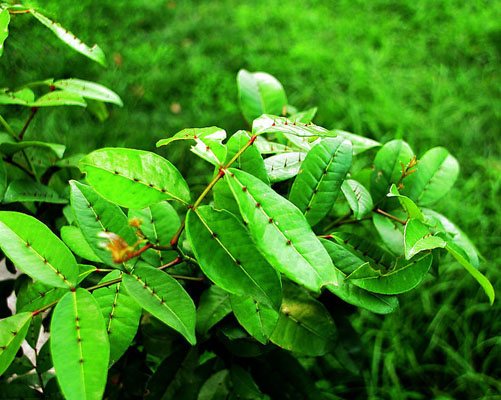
{"type": "Point", "coordinates": [12, 333]}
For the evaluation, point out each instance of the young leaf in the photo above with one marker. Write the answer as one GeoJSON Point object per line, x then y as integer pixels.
{"type": "Point", "coordinates": [208, 143]}
{"type": "Point", "coordinates": [343, 259]}
{"type": "Point", "coordinates": [317, 185]}
{"type": "Point", "coordinates": [96, 215]}
{"type": "Point", "coordinates": [436, 173]}
{"type": "Point", "coordinates": [260, 93]}
{"type": "Point", "coordinates": [25, 190]}
{"type": "Point", "coordinates": [94, 53]}
{"type": "Point", "coordinates": [163, 297]}
{"type": "Point", "coordinates": [283, 166]}
{"type": "Point", "coordinates": [134, 178]}
{"type": "Point", "coordinates": [390, 231]}
{"type": "Point", "coordinates": [304, 325]}
{"type": "Point", "coordinates": [214, 305]}
{"type": "Point", "coordinates": [257, 318]}
{"type": "Point", "coordinates": [121, 314]}
{"type": "Point", "coordinates": [12, 333]}
{"type": "Point", "coordinates": [281, 232]}
{"type": "Point", "coordinates": [36, 251]}
{"type": "Point", "coordinates": [388, 167]}
{"type": "Point", "coordinates": [34, 295]}
{"type": "Point", "coordinates": [74, 238]}
{"type": "Point", "coordinates": [419, 238]}
{"type": "Point", "coordinates": [4, 27]}
{"type": "Point", "coordinates": [87, 89]}
{"type": "Point", "coordinates": [412, 210]}
{"type": "Point", "coordinates": [79, 346]}
{"type": "Point", "coordinates": [59, 98]}
{"type": "Point", "coordinates": [358, 198]}
{"type": "Point", "coordinates": [359, 143]}
{"type": "Point", "coordinates": [455, 251]}
{"type": "Point", "coordinates": [228, 256]}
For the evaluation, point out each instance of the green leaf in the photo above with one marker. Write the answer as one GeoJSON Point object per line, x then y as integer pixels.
{"type": "Point", "coordinates": [281, 232]}
{"type": "Point", "coordinates": [304, 325]}
{"type": "Point", "coordinates": [250, 160]}
{"type": "Point", "coordinates": [352, 294]}
{"type": "Point", "coordinates": [283, 166]}
{"type": "Point", "coordinates": [412, 210]}
{"type": "Point", "coordinates": [59, 98]}
{"type": "Point", "coordinates": [390, 231]}
{"type": "Point", "coordinates": [214, 305]}
{"type": "Point", "coordinates": [208, 143]}
{"type": "Point", "coordinates": [402, 277]}
{"type": "Point", "coordinates": [388, 167]}
{"type": "Point", "coordinates": [79, 346]}
{"type": "Point", "coordinates": [9, 146]}
{"type": "Point", "coordinates": [33, 296]}
{"type": "Point", "coordinates": [84, 270]}
{"type": "Point", "coordinates": [163, 297]}
{"type": "Point", "coordinates": [290, 129]}
{"type": "Point", "coordinates": [305, 116]}
{"type": "Point", "coordinates": [3, 179]}
{"type": "Point", "coordinates": [244, 386]}
{"type": "Point", "coordinates": [359, 143]}
{"type": "Point", "coordinates": [94, 53]}
{"type": "Point", "coordinates": [439, 222]}
{"type": "Point", "coordinates": [121, 314]}
{"type": "Point", "coordinates": [29, 191]}
{"type": "Point", "coordinates": [74, 238]}
{"type": "Point", "coordinates": [134, 178]}
{"type": "Point", "coordinates": [12, 333]}
{"type": "Point", "coordinates": [260, 93]}
{"type": "Point", "coordinates": [4, 27]}
{"type": "Point", "coordinates": [95, 215]}
{"type": "Point", "coordinates": [22, 97]}
{"type": "Point", "coordinates": [228, 256]}
{"type": "Point", "coordinates": [358, 198]}
{"type": "Point", "coordinates": [455, 251]}
{"type": "Point", "coordinates": [419, 238]}
{"type": "Point", "coordinates": [264, 146]}
{"type": "Point", "coordinates": [216, 387]}
{"type": "Point", "coordinates": [36, 251]}
{"type": "Point", "coordinates": [257, 318]}
{"type": "Point", "coordinates": [317, 185]}
{"type": "Point", "coordinates": [87, 89]}
{"type": "Point", "coordinates": [436, 173]}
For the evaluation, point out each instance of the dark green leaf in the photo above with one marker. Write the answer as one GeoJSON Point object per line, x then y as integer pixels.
{"type": "Point", "coordinates": [216, 387]}
{"type": "Point", "coordinates": [281, 232]}
{"type": "Point", "coordinates": [12, 333]}
{"type": "Point", "coordinates": [214, 305]}
{"type": "Point", "coordinates": [3, 179]}
{"type": "Point", "coordinates": [318, 183]}
{"type": "Point", "coordinates": [36, 251]}
{"type": "Point", "coordinates": [79, 346]}
{"type": "Point", "coordinates": [134, 178]}
{"type": "Point", "coordinates": [228, 256]}
{"type": "Point", "coordinates": [244, 386]}
{"type": "Point", "coordinates": [29, 191]}
{"type": "Point", "coordinates": [9, 146]}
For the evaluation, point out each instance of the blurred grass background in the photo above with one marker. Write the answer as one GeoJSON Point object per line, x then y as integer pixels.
{"type": "Point", "coordinates": [423, 70]}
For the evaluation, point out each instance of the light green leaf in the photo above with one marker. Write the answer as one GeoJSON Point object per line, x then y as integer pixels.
{"type": "Point", "coordinates": [260, 93]}
{"type": "Point", "coordinates": [74, 238]}
{"type": "Point", "coordinates": [214, 305]}
{"type": "Point", "coordinates": [281, 232]}
{"type": "Point", "coordinates": [391, 232]}
{"type": "Point", "coordinates": [388, 167]}
{"type": "Point", "coordinates": [455, 251]}
{"type": "Point", "coordinates": [22, 97]}
{"type": "Point", "coordinates": [134, 178]}
{"type": "Point", "coordinates": [257, 318]}
{"type": "Point", "coordinates": [412, 210]}
{"type": "Point", "coordinates": [419, 238]}
{"type": "Point", "coordinates": [4, 27]}
{"type": "Point", "coordinates": [439, 222]}
{"type": "Point", "coordinates": [94, 53]}
{"type": "Point", "coordinates": [344, 260]}
{"type": "Point", "coordinates": [94, 216]}
{"type": "Point", "coordinates": [121, 315]}
{"type": "Point", "coordinates": [436, 173]}
{"type": "Point", "coordinates": [84, 270]}
{"type": "Point", "coordinates": [36, 251]}
{"type": "Point", "coordinates": [9, 146]}
{"type": "Point", "coordinates": [30, 191]}
{"type": "Point", "coordinates": [359, 143]}
{"type": "Point", "coordinates": [274, 124]}
{"type": "Point", "coordinates": [12, 333]}
{"type": "Point", "coordinates": [228, 256]}
{"type": "Point", "coordinates": [59, 98]}
{"type": "Point", "coordinates": [79, 346]}
{"type": "Point", "coordinates": [319, 180]}
{"type": "Point", "coordinates": [358, 198]}
{"type": "Point", "coordinates": [163, 297]}
{"type": "Point", "coordinates": [249, 161]}
{"type": "Point", "coordinates": [33, 296]}
{"type": "Point", "coordinates": [283, 166]}
{"type": "Point", "coordinates": [87, 89]}
{"type": "Point", "coordinates": [305, 116]}
{"type": "Point", "coordinates": [304, 325]}
{"type": "Point", "coordinates": [266, 147]}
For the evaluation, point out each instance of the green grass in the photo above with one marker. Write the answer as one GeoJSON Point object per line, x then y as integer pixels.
{"type": "Point", "coordinates": [424, 71]}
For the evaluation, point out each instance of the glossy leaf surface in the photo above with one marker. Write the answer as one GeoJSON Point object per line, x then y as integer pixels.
{"type": "Point", "coordinates": [283, 166]}
{"type": "Point", "coordinates": [74, 238]}
{"type": "Point", "coordinates": [89, 90]}
{"type": "Point", "coordinates": [419, 238]}
{"type": "Point", "coordinates": [358, 198]}
{"type": "Point", "coordinates": [12, 333]}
